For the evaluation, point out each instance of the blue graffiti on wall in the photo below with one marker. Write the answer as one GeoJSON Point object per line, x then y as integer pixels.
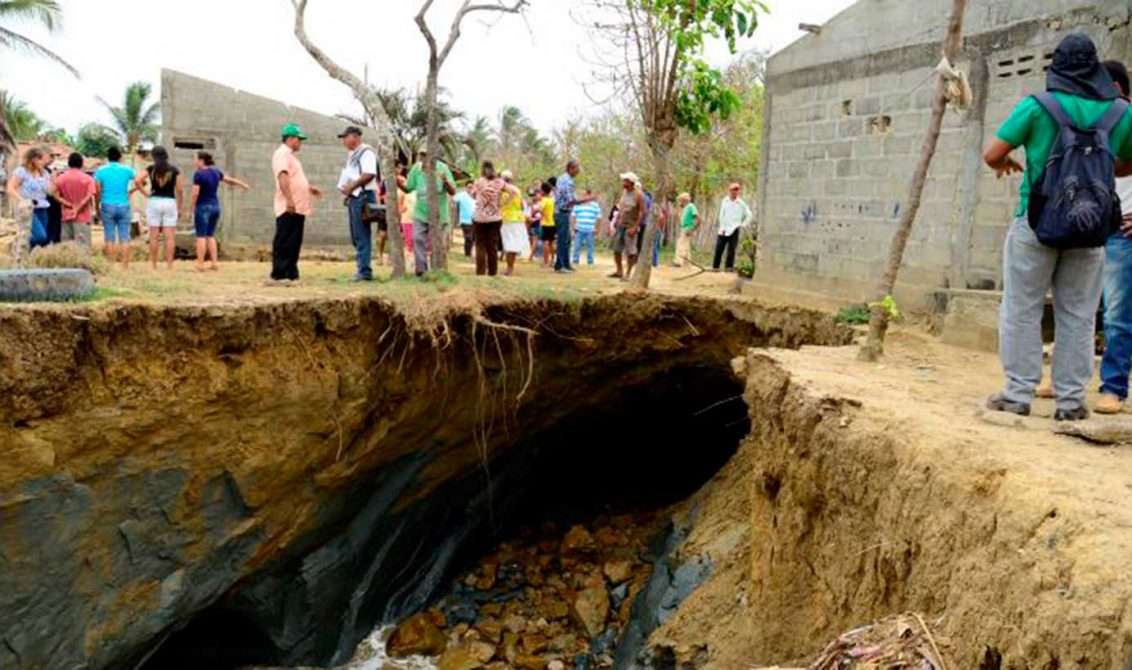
{"type": "Point", "coordinates": [810, 213]}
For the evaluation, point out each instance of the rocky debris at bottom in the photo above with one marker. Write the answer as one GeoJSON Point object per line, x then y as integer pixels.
{"type": "Point", "coordinates": [550, 600]}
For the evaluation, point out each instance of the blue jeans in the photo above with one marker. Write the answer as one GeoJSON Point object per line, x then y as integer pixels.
{"type": "Point", "coordinates": [38, 234]}
{"type": "Point", "coordinates": [585, 239]}
{"type": "Point", "coordinates": [1117, 316]}
{"type": "Point", "coordinates": [207, 216]}
{"type": "Point", "coordinates": [562, 239]}
{"type": "Point", "coordinates": [361, 234]}
{"type": "Point", "coordinates": [116, 224]}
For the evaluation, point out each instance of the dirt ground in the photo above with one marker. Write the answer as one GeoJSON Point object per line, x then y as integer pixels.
{"type": "Point", "coordinates": [242, 283]}
{"type": "Point", "coordinates": [931, 394]}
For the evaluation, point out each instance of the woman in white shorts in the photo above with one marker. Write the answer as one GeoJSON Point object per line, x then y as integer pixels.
{"type": "Point", "coordinates": [165, 199]}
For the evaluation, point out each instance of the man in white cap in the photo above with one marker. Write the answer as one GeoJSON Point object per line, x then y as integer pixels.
{"type": "Point", "coordinates": [631, 216]}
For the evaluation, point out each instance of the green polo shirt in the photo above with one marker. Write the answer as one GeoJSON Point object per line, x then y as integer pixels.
{"type": "Point", "coordinates": [1029, 125]}
{"type": "Point", "coordinates": [417, 183]}
{"type": "Point", "coordinates": [688, 219]}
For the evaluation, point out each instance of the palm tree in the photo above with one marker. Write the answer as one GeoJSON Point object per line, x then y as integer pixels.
{"type": "Point", "coordinates": [22, 123]}
{"type": "Point", "coordinates": [136, 120]}
{"type": "Point", "coordinates": [408, 118]}
{"type": "Point", "coordinates": [47, 13]}
{"type": "Point", "coordinates": [477, 140]}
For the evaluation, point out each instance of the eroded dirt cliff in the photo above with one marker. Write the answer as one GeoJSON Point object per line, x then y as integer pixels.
{"type": "Point", "coordinates": [303, 468]}
{"type": "Point", "coordinates": [879, 490]}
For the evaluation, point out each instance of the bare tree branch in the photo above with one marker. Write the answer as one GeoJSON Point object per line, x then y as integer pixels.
{"type": "Point", "coordinates": [436, 58]}
{"type": "Point", "coordinates": [386, 140]}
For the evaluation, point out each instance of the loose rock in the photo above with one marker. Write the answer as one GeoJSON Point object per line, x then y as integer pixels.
{"type": "Point", "coordinates": [416, 636]}
{"type": "Point", "coordinates": [591, 609]}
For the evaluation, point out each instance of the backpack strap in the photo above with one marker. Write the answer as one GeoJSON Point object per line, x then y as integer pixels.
{"type": "Point", "coordinates": [1112, 117]}
{"type": "Point", "coordinates": [1054, 109]}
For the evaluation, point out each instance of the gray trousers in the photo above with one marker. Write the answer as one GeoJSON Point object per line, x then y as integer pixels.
{"type": "Point", "coordinates": [420, 245]}
{"type": "Point", "coordinates": [1030, 270]}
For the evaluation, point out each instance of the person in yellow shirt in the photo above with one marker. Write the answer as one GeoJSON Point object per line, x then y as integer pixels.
{"type": "Point", "coordinates": [549, 233]}
{"type": "Point", "coordinates": [514, 230]}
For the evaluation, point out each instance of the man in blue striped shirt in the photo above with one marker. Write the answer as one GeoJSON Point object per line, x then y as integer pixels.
{"type": "Point", "coordinates": [586, 216]}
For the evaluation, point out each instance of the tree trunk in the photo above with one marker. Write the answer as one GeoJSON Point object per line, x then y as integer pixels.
{"type": "Point", "coordinates": [661, 147]}
{"type": "Point", "coordinates": [393, 222]}
{"type": "Point", "coordinates": [873, 347]}
{"type": "Point", "coordinates": [438, 235]}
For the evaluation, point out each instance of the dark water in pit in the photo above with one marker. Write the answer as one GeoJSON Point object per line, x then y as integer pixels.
{"type": "Point", "coordinates": [654, 447]}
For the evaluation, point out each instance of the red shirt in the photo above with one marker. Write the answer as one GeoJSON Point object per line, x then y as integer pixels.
{"type": "Point", "coordinates": [74, 186]}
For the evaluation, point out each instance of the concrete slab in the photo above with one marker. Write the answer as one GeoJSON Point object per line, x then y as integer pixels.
{"type": "Point", "coordinates": [42, 285]}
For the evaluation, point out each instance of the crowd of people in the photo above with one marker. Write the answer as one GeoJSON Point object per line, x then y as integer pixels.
{"type": "Point", "coordinates": [554, 220]}
{"type": "Point", "coordinates": [1071, 235]}
{"type": "Point", "coordinates": [59, 203]}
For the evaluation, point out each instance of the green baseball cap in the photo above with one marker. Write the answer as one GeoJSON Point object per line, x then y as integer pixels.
{"type": "Point", "coordinates": [293, 130]}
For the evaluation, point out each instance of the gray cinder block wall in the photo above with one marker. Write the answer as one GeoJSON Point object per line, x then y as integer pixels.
{"type": "Point", "coordinates": [241, 131]}
{"type": "Point", "coordinates": [846, 115]}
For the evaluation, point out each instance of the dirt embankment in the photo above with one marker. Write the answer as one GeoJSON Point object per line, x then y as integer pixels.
{"type": "Point", "coordinates": [878, 490]}
{"type": "Point", "coordinates": [156, 457]}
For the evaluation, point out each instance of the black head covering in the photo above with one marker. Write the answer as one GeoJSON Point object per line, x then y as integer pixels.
{"type": "Point", "coordinates": [1077, 70]}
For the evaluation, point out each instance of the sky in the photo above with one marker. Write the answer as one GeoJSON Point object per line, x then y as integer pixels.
{"type": "Point", "coordinates": [534, 62]}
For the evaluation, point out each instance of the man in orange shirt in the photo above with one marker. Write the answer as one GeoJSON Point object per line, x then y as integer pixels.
{"type": "Point", "coordinates": [294, 201]}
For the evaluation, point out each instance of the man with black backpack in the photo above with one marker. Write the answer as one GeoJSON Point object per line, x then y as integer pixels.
{"type": "Point", "coordinates": [363, 176]}
{"type": "Point", "coordinates": [1076, 135]}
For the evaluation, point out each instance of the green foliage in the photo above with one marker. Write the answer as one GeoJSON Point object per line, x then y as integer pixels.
{"type": "Point", "coordinates": [408, 116]}
{"type": "Point", "coordinates": [47, 13]}
{"type": "Point", "coordinates": [23, 123]}
{"type": "Point", "coordinates": [705, 97]}
{"type": "Point", "coordinates": [854, 315]}
{"type": "Point", "coordinates": [890, 308]}
{"type": "Point", "coordinates": [748, 256]}
{"type": "Point", "coordinates": [703, 165]}
{"type": "Point", "coordinates": [729, 151]}
{"type": "Point", "coordinates": [135, 121]}
{"type": "Point", "coordinates": [95, 140]}
{"type": "Point", "coordinates": [690, 24]}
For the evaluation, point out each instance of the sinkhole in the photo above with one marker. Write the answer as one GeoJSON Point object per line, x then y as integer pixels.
{"type": "Point", "coordinates": [610, 468]}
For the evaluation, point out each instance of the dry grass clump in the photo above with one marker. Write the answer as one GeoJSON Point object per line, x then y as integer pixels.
{"type": "Point", "coordinates": [902, 641]}
{"type": "Point", "coordinates": [69, 255]}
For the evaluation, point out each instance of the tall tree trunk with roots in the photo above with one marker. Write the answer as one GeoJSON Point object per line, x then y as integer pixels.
{"type": "Point", "coordinates": [873, 347]}
{"type": "Point", "coordinates": [386, 142]}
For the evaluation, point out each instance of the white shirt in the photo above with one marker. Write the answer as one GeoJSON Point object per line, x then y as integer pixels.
{"type": "Point", "coordinates": [733, 215]}
{"type": "Point", "coordinates": [362, 160]}
{"type": "Point", "coordinates": [1124, 190]}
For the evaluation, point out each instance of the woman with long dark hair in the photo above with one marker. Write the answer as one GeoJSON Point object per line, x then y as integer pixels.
{"type": "Point", "coordinates": [28, 189]}
{"type": "Point", "coordinates": [165, 204]}
{"type": "Point", "coordinates": [206, 206]}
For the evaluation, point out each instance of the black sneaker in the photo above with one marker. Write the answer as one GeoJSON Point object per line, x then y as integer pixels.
{"type": "Point", "coordinates": [1075, 414]}
{"type": "Point", "coordinates": [998, 403]}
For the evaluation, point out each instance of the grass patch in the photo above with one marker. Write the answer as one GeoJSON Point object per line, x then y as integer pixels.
{"type": "Point", "coordinates": [102, 293]}
{"type": "Point", "coordinates": [854, 315]}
